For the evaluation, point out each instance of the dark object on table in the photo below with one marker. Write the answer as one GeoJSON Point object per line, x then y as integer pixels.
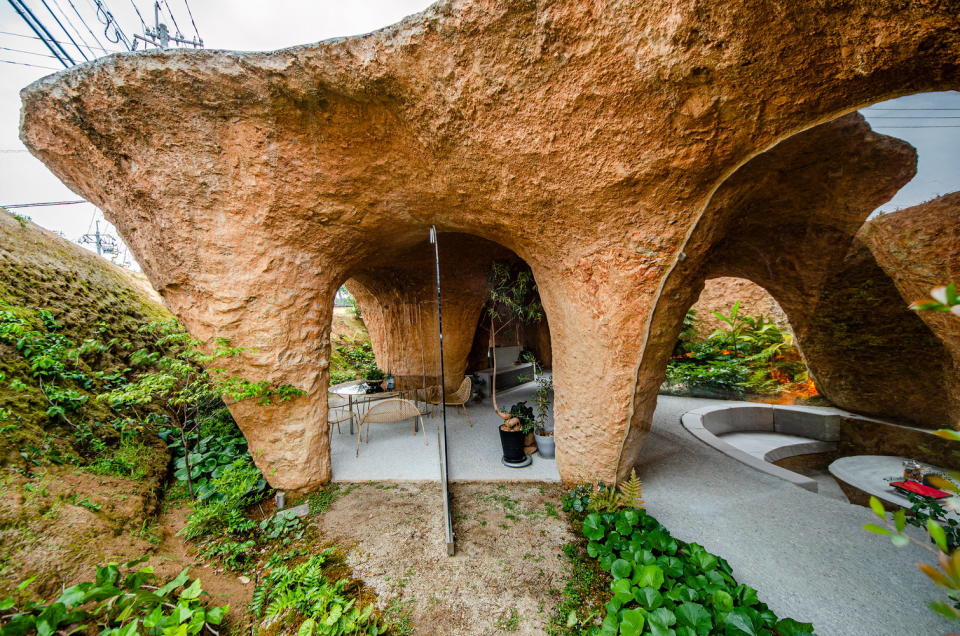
{"type": "Point", "coordinates": [919, 489]}
{"type": "Point", "coordinates": [374, 387]}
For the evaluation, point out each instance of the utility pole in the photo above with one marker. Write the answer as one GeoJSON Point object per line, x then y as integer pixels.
{"type": "Point", "coordinates": [106, 243]}
{"type": "Point", "coordinates": [159, 36]}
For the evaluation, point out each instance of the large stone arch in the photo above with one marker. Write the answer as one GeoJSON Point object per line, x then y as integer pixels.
{"type": "Point", "coordinates": [587, 139]}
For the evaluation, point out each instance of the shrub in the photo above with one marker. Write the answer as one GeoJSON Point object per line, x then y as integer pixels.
{"type": "Point", "coordinates": [118, 602]}
{"type": "Point", "coordinates": [661, 585]}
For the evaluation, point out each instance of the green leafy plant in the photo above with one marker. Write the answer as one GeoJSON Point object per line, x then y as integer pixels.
{"type": "Point", "coordinates": [942, 541]}
{"type": "Point", "coordinates": [513, 300]}
{"type": "Point", "coordinates": [658, 584]}
{"type": "Point", "coordinates": [305, 600]}
{"type": "Point", "coordinates": [525, 414]}
{"type": "Point", "coordinates": [944, 298]}
{"type": "Point", "coordinates": [175, 380]}
{"type": "Point", "coordinates": [121, 601]}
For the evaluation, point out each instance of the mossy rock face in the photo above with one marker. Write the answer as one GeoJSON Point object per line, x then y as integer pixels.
{"type": "Point", "coordinates": [90, 298]}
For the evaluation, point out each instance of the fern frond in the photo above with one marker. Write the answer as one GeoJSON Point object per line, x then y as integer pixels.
{"type": "Point", "coordinates": [631, 491]}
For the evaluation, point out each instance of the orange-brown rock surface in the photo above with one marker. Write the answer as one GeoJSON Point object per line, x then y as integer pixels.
{"type": "Point", "coordinates": [719, 294]}
{"type": "Point", "coordinates": [398, 302]}
{"type": "Point", "coordinates": [592, 140]}
{"type": "Point", "coordinates": [919, 248]}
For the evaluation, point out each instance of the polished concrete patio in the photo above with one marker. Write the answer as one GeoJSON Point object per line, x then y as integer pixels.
{"type": "Point", "coordinates": [396, 454]}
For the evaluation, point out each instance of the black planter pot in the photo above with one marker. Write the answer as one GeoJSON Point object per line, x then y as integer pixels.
{"type": "Point", "coordinates": [512, 442]}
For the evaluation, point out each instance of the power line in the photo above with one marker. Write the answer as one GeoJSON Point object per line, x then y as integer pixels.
{"type": "Point", "coordinates": [892, 127]}
{"type": "Point", "coordinates": [42, 204]}
{"type": "Point", "coordinates": [872, 108]}
{"type": "Point", "coordinates": [64, 29]}
{"type": "Point", "coordinates": [41, 31]}
{"type": "Point", "coordinates": [175, 25]}
{"type": "Point", "coordinates": [33, 37]}
{"type": "Point", "coordinates": [50, 68]}
{"type": "Point", "coordinates": [87, 27]}
{"type": "Point", "coordinates": [72, 26]}
{"type": "Point", "coordinates": [4, 48]}
{"type": "Point", "coordinates": [196, 32]}
{"type": "Point", "coordinates": [139, 15]}
{"type": "Point", "coordinates": [916, 117]}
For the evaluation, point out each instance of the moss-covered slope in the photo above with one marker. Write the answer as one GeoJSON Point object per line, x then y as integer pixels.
{"type": "Point", "coordinates": [89, 297]}
{"type": "Point", "coordinates": [60, 510]}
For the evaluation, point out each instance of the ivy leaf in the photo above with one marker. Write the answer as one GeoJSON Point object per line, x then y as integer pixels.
{"type": "Point", "coordinates": [621, 569]}
{"type": "Point", "coordinates": [662, 617]}
{"type": "Point", "coordinates": [790, 627]}
{"type": "Point", "coordinates": [193, 591]}
{"type": "Point", "coordinates": [649, 576]}
{"type": "Point", "coordinates": [593, 527]}
{"type": "Point", "coordinates": [722, 600]}
{"type": "Point", "coordinates": [696, 616]}
{"type": "Point", "coordinates": [631, 622]}
{"type": "Point", "coordinates": [647, 597]}
{"type": "Point", "coordinates": [739, 623]}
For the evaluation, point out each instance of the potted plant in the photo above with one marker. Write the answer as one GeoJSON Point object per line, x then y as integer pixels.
{"type": "Point", "coordinates": [513, 299]}
{"type": "Point", "coordinates": [544, 436]}
{"type": "Point", "coordinates": [374, 380]}
{"type": "Point", "coordinates": [513, 432]}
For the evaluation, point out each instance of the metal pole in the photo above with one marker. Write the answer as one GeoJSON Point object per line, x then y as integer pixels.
{"type": "Point", "coordinates": [443, 402]}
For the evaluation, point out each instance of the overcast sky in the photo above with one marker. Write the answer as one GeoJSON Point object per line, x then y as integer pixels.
{"type": "Point", "coordinates": [923, 120]}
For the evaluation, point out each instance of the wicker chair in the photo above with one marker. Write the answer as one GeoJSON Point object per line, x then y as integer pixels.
{"type": "Point", "coordinates": [337, 413]}
{"type": "Point", "coordinates": [460, 397]}
{"type": "Point", "coordinates": [392, 410]}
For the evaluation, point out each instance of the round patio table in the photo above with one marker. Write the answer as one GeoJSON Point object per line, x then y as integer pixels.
{"type": "Point", "coordinates": [356, 389]}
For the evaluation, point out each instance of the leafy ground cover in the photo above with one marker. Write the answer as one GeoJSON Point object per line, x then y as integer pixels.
{"type": "Point", "coordinates": [751, 356]}
{"type": "Point", "coordinates": [656, 584]}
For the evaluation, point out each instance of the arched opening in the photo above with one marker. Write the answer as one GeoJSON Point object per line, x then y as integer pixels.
{"type": "Point", "coordinates": [395, 296]}
{"type": "Point", "coordinates": [809, 221]}
{"type": "Point", "coordinates": [737, 343]}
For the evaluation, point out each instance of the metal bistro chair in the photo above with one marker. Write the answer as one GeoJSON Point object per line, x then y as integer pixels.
{"type": "Point", "coordinates": [460, 397]}
{"type": "Point", "coordinates": [391, 410]}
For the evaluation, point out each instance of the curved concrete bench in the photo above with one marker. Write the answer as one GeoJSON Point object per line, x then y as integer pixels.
{"type": "Point", "coordinates": [800, 430]}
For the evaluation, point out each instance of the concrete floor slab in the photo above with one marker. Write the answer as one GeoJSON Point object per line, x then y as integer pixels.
{"type": "Point", "coordinates": [474, 452]}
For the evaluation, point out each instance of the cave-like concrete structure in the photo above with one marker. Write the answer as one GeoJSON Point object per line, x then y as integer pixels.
{"type": "Point", "coordinates": [601, 143]}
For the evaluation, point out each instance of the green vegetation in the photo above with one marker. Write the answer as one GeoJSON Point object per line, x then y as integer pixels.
{"type": "Point", "coordinates": [304, 599]}
{"type": "Point", "coordinates": [931, 515]}
{"type": "Point", "coordinates": [750, 356]}
{"type": "Point", "coordinates": [657, 584]}
{"type": "Point", "coordinates": [119, 602]}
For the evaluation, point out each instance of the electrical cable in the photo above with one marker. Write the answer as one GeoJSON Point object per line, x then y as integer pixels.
{"type": "Point", "coordinates": [76, 30]}
{"type": "Point", "coordinates": [172, 18]}
{"type": "Point", "coordinates": [33, 37]}
{"type": "Point", "coordinates": [139, 15]}
{"type": "Point", "coordinates": [41, 204]}
{"type": "Point", "coordinates": [64, 29]}
{"type": "Point", "coordinates": [41, 31]}
{"type": "Point", "coordinates": [51, 68]}
{"type": "Point", "coordinates": [87, 27]}
{"type": "Point", "coordinates": [4, 48]}
{"type": "Point", "coordinates": [196, 32]}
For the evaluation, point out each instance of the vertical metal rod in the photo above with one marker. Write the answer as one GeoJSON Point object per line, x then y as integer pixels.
{"type": "Point", "coordinates": [443, 402]}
